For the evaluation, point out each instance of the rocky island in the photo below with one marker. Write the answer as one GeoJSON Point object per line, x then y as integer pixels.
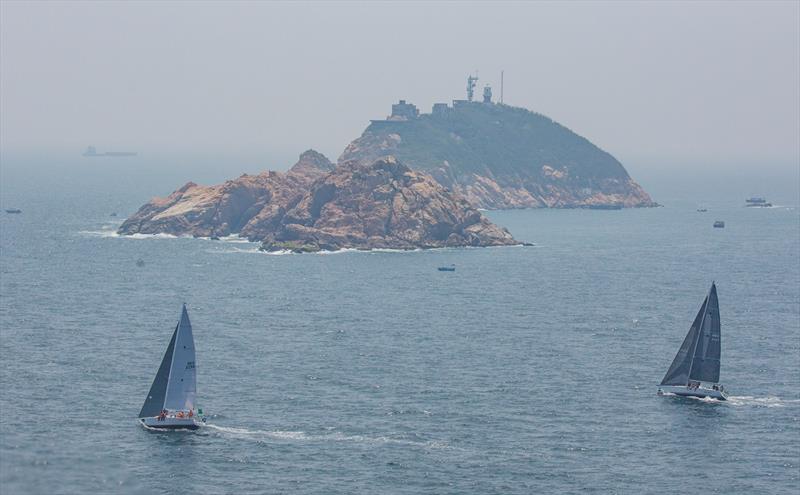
{"type": "Point", "coordinates": [316, 206]}
{"type": "Point", "coordinates": [498, 156]}
{"type": "Point", "coordinates": [410, 181]}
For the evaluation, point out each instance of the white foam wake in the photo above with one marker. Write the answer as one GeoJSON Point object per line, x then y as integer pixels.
{"type": "Point", "coordinates": [301, 436]}
{"type": "Point", "coordinates": [746, 400]}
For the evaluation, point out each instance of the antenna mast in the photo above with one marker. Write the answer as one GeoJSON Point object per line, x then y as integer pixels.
{"type": "Point", "coordinates": [501, 86]}
{"type": "Point", "coordinates": [471, 80]}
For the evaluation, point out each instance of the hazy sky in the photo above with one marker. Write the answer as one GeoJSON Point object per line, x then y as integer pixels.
{"type": "Point", "coordinates": [658, 83]}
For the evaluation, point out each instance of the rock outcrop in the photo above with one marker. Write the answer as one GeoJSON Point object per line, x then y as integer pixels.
{"type": "Point", "coordinates": [497, 156]}
{"type": "Point", "coordinates": [315, 206]}
{"type": "Point", "coordinates": [233, 207]}
{"type": "Point", "coordinates": [381, 205]}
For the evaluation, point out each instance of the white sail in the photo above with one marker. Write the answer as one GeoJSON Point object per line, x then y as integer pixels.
{"type": "Point", "coordinates": [182, 384]}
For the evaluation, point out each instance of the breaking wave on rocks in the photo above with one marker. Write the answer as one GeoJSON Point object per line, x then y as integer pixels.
{"type": "Point", "coordinates": [114, 233]}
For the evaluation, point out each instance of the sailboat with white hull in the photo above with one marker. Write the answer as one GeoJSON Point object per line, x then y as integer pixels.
{"type": "Point", "coordinates": [695, 370]}
{"type": "Point", "coordinates": [170, 405]}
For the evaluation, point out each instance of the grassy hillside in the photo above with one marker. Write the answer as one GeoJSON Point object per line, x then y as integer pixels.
{"type": "Point", "coordinates": [496, 140]}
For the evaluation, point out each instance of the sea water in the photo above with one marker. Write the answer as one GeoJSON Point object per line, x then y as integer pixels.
{"type": "Point", "coordinates": [527, 370]}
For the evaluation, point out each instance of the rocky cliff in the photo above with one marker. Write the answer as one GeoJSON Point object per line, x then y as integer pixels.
{"type": "Point", "coordinates": [315, 206]}
{"type": "Point", "coordinates": [236, 206]}
{"type": "Point", "coordinates": [381, 205]}
{"type": "Point", "coordinates": [498, 156]}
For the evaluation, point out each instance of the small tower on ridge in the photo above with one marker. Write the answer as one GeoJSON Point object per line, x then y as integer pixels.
{"type": "Point", "coordinates": [471, 80]}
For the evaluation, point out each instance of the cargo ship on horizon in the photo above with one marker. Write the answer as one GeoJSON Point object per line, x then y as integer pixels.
{"type": "Point", "coordinates": [92, 151]}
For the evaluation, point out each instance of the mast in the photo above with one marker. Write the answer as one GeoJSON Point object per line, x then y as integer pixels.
{"type": "Point", "coordinates": [501, 86]}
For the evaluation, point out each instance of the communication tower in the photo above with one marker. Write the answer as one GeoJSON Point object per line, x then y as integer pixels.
{"type": "Point", "coordinates": [471, 80]}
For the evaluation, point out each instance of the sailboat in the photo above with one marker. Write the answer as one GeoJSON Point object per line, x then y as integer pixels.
{"type": "Point", "coordinates": [170, 404]}
{"type": "Point", "coordinates": [695, 370]}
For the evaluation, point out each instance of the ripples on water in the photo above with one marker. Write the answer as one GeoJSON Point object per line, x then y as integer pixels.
{"type": "Point", "coordinates": [528, 370]}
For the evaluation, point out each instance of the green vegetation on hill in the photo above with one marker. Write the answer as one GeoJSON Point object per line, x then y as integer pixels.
{"type": "Point", "coordinates": [496, 140]}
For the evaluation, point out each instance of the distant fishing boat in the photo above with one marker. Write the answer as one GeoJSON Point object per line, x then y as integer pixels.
{"type": "Point", "coordinates": [695, 370]}
{"type": "Point", "coordinates": [450, 268]}
{"type": "Point", "coordinates": [170, 403]}
{"type": "Point", "coordinates": [607, 206]}
{"type": "Point", "coordinates": [13, 211]}
{"type": "Point", "coordinates": [719, 224]}
{"type": "Point", "coordinates": [702, 210]}
{"type": "Point", "coordinates": [756, 202]}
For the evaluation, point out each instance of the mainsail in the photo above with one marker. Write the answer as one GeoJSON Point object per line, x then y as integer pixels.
{"type": "Point", "coordinates": [698, 357]}
{"type": "Point", "coordinates": [175, 385]}
{"type": "Point", "coordinates": [705, 365]}
{"type": "Point", "coordinates": [182, 384]}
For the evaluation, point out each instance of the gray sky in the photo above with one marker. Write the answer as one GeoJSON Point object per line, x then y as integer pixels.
{"type": "Point", "coordinates": [651, 83]}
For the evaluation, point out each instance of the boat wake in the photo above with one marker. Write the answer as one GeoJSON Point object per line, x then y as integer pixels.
{"type": "Point", "coordinates": [301, 436]}
{"type": "Point", "coordinates": [743, 400]}
{"type": "Point", "coordinates": [746, 400]}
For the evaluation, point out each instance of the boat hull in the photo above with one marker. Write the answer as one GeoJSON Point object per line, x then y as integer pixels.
{"type": "Point", "coordinates": [171, 423]}
{"type": "Point", "coordinates": [699, 392]}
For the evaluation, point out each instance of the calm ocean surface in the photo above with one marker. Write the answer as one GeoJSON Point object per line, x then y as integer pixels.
{"type": "Point", "coordinates": [528, 370]}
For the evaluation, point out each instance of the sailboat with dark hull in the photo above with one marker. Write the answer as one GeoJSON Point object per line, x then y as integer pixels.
{"type": "Point", "coordinates": [170, 404]}
{"type": "Point", "coordinates": [695, 370]}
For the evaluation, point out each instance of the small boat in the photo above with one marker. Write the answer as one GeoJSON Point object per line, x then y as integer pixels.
{"type": "Point", "coordinates": [607, 206]}
{"type": "Point", "coordinates": [695, 370]}
{"type": "Point", "coordinates": [170, 403]}
{"type": "Point", "coordinates": [719, 224]}
{"type": "Point", "coordinates": [702, 210]}
{"type": "Point", "coordinates": [450, 268]}
{"type": "Point", "coordinates": [13, 211]}
{"type": "Point", "coordinates": [140, 262]}
{"type": "Point", "coordinates": [113, 214]}
{"type": "Point", "coordinates": [756, 202]}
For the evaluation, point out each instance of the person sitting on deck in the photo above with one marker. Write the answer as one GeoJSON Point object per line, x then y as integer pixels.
{"type": "Point", "coordinates": [162, 415]}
